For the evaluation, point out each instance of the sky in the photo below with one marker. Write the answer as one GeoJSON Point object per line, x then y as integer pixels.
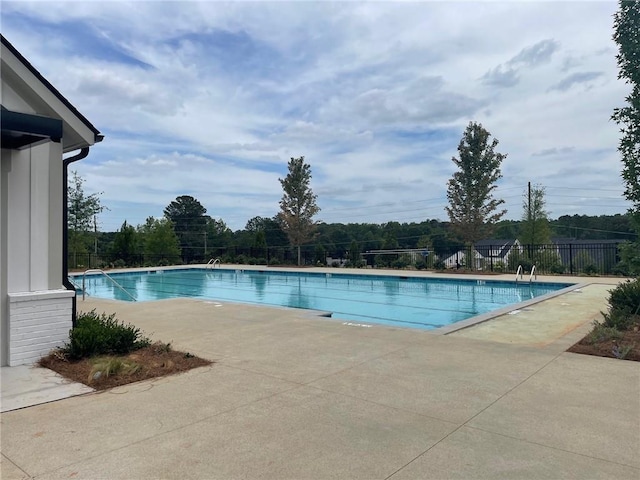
{"type": "Point", "coordinates": [212, 99]}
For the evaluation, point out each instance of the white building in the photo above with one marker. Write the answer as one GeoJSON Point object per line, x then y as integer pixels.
{"type": "Point", "coordinates": [39, 125]}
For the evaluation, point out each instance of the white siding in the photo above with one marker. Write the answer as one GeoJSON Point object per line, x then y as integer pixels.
{"type": "Point", "coordinates": [38, 322]}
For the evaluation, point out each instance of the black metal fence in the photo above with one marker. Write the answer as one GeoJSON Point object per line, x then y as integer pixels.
{"type": "Point", "coordinates": [575, 258]}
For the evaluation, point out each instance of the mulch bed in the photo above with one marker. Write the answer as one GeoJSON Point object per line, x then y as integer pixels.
{"type": "Point", "coordinates": [607, 348]}
{"type": "Point", "coordinates": [156, 360]}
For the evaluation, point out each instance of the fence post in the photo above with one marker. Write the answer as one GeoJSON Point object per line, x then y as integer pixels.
{"type": "Point", "coordinates": [570, 259]}
{"type": "Point", "coordinates": [491, 256]}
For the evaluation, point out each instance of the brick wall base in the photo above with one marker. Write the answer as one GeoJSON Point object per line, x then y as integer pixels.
{"type": "Point", "coordinates": [38, 323]}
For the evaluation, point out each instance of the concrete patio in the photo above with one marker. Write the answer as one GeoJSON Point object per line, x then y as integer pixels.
{"type": "Point", "coordinates": [296, 396]}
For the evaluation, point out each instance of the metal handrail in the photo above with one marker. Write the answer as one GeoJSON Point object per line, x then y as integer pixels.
{"type": "Point", "coordinates": [97, 270]}
{"type": "Point", "coordinates": [213, 263]}
{"type": "Point", "coordinates": [533, 272]}
{"type": "Point", "coordinates": [519, 271]}
{"type": "Point", "coordinates": [75, 285]}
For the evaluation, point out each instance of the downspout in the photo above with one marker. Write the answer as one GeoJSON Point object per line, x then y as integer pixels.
{"type": "Point", "coordinates": [65, 227]}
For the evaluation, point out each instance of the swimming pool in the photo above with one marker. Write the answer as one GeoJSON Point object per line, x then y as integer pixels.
{"type": "Point", "coordinates": [424, 303]}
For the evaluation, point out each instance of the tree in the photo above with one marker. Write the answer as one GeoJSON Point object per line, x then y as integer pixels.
{"type": "Point", "coordinates": [218, 237]}
{"type": "Point", "coordinates": [535, 219]}
{"type": "Point", "coordinates": [354, 254]}
{"type": "Point", "coordinates": [160, 242]}
{"type": "Point", "coordinates": [125, 244]}
{"type": "Point", "coordinates": [298, 204]}
{"type": "Point", "coordinates": [256, 224]}
{"type": "Point", "coordinates": [472, 208]}
{"type": "Point", "coordinates": [188, 217]}
{"type": "Point", "coordinates": [81, 212]}
{"type": "Point", "coordinates": [627, 36]}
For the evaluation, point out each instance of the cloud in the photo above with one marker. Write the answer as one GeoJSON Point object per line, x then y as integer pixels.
{"type": "Point", "coordinates": [575, 79]}
{"type": "Point", "coordinates": [501, 77]}
{"type": "Point", "coordinates": [211, 99]}
{"type": "Point", "coordinates": [508, 75]}
{"type": "Point", "coordinates": [536, 54]}
{"type": "Point", "coordinates": [553, 151]}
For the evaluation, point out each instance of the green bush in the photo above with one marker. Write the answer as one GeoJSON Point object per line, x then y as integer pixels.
{"type": "Point", "coordinates": [102, 335]}
{"type": "Point", "coordinates": [119, 263]}
{"type": "Point", "coordinates": [590, 269]}
{"type": "Point", "coordinates": [602, 333]}
{"type": "Point", "coordinates": [624, 306]}
{"type": "Point", "coordinates": [626, 296]}
{"type": "Point", "coordinates": [400, 263]}
{"type": "Point", "coordinates": [557, 268]}
{"type": "Point", "coordinates": [439, 264]}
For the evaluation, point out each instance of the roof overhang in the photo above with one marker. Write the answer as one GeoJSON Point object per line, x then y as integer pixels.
{"type": "Point", "coordinates": [38, 99]}
{"type": "Point", "coordinates": [20, 130]}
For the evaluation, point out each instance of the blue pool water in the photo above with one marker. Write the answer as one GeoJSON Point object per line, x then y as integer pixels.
{"type": "Point", "coordinates": [424, 303]}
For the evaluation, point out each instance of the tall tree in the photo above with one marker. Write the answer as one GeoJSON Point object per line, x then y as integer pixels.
{"type": "Point", "coordinates": [188, 217]}
{"type": "Point", "coordinates": [472, 209]}
{"type": "Point", "coordinates": [627, 36]}
{"type": "Point", "coordinates": [256, 224]}
{"type": "Point", "coordinates": [82, 210]}
{"type": "Point", "coordinates": [125, 244]}
{"type": "Point", "coordinates": [218, 237]}
{"type": "Point", "coordinates": [535, 219]}
{"type": "Point", "coordinates": [298, 204]}
{"type": "Point", "coordinates": [160, 242]}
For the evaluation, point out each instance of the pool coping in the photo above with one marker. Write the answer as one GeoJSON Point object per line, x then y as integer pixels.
{"type": "Point", "coordinates": [485, 317]}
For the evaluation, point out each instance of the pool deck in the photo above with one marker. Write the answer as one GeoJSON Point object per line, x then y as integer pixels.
{"type": "Point", "coordinates": [296, 396]}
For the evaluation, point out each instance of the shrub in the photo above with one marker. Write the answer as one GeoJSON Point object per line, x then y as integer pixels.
{"type": "Point", "coordinates": [624, 306]}
{"type": "Point", "coordinates": [602, 333]}
{"type": "Point", "coordinates": [400, 263]}
{"type": "Point", "coordinates": [275, 261]}
{"type": "Point", "coordinates": [119, 263]}
{"type": "Point", "coordinates": [620, 319]}
{"type": "Point", "coordinates": [439, 264]}
{"type": "Point", "coordinates": [101, 335]}
{"type": "Point", "coordinates": [626, 296]}
{"type": "Point", "coordinates": [590, 269]}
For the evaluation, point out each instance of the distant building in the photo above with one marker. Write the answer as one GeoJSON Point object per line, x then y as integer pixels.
{"type": "Point", "coordinates": [485, 254]}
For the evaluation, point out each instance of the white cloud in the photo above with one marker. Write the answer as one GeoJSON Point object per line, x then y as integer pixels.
{"type": "Point", "coordinates": [211, 99]}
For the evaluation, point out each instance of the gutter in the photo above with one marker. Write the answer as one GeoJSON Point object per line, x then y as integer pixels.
{"type": "Point", "coordinates": [65, 227]}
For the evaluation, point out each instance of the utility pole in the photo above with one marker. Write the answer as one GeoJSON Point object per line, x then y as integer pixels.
{"type": "Point", "coordinates": [95, 239]}
{"type": "Point", "coordinates": [531, 225]}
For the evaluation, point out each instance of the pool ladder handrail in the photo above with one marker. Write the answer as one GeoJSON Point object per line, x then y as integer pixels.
{"type": "Point", "coordinates": [533, 273]}
{"type": "Point", "coordinates": [519, 272]}
{"type": "Point", "coordinates": [98, 270]}
{"type": "Point", "coordinates": [213, 262]}
{"type": "Point", "coordinates": [75, 285]}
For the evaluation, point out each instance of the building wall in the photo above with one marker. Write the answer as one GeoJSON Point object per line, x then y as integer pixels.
{"type": "Point", "coordinates": [5, 162]}
{"type": "Point", "coordinates": [31, 250]}
{"type": "Point", "coordinates": [39, 322]}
